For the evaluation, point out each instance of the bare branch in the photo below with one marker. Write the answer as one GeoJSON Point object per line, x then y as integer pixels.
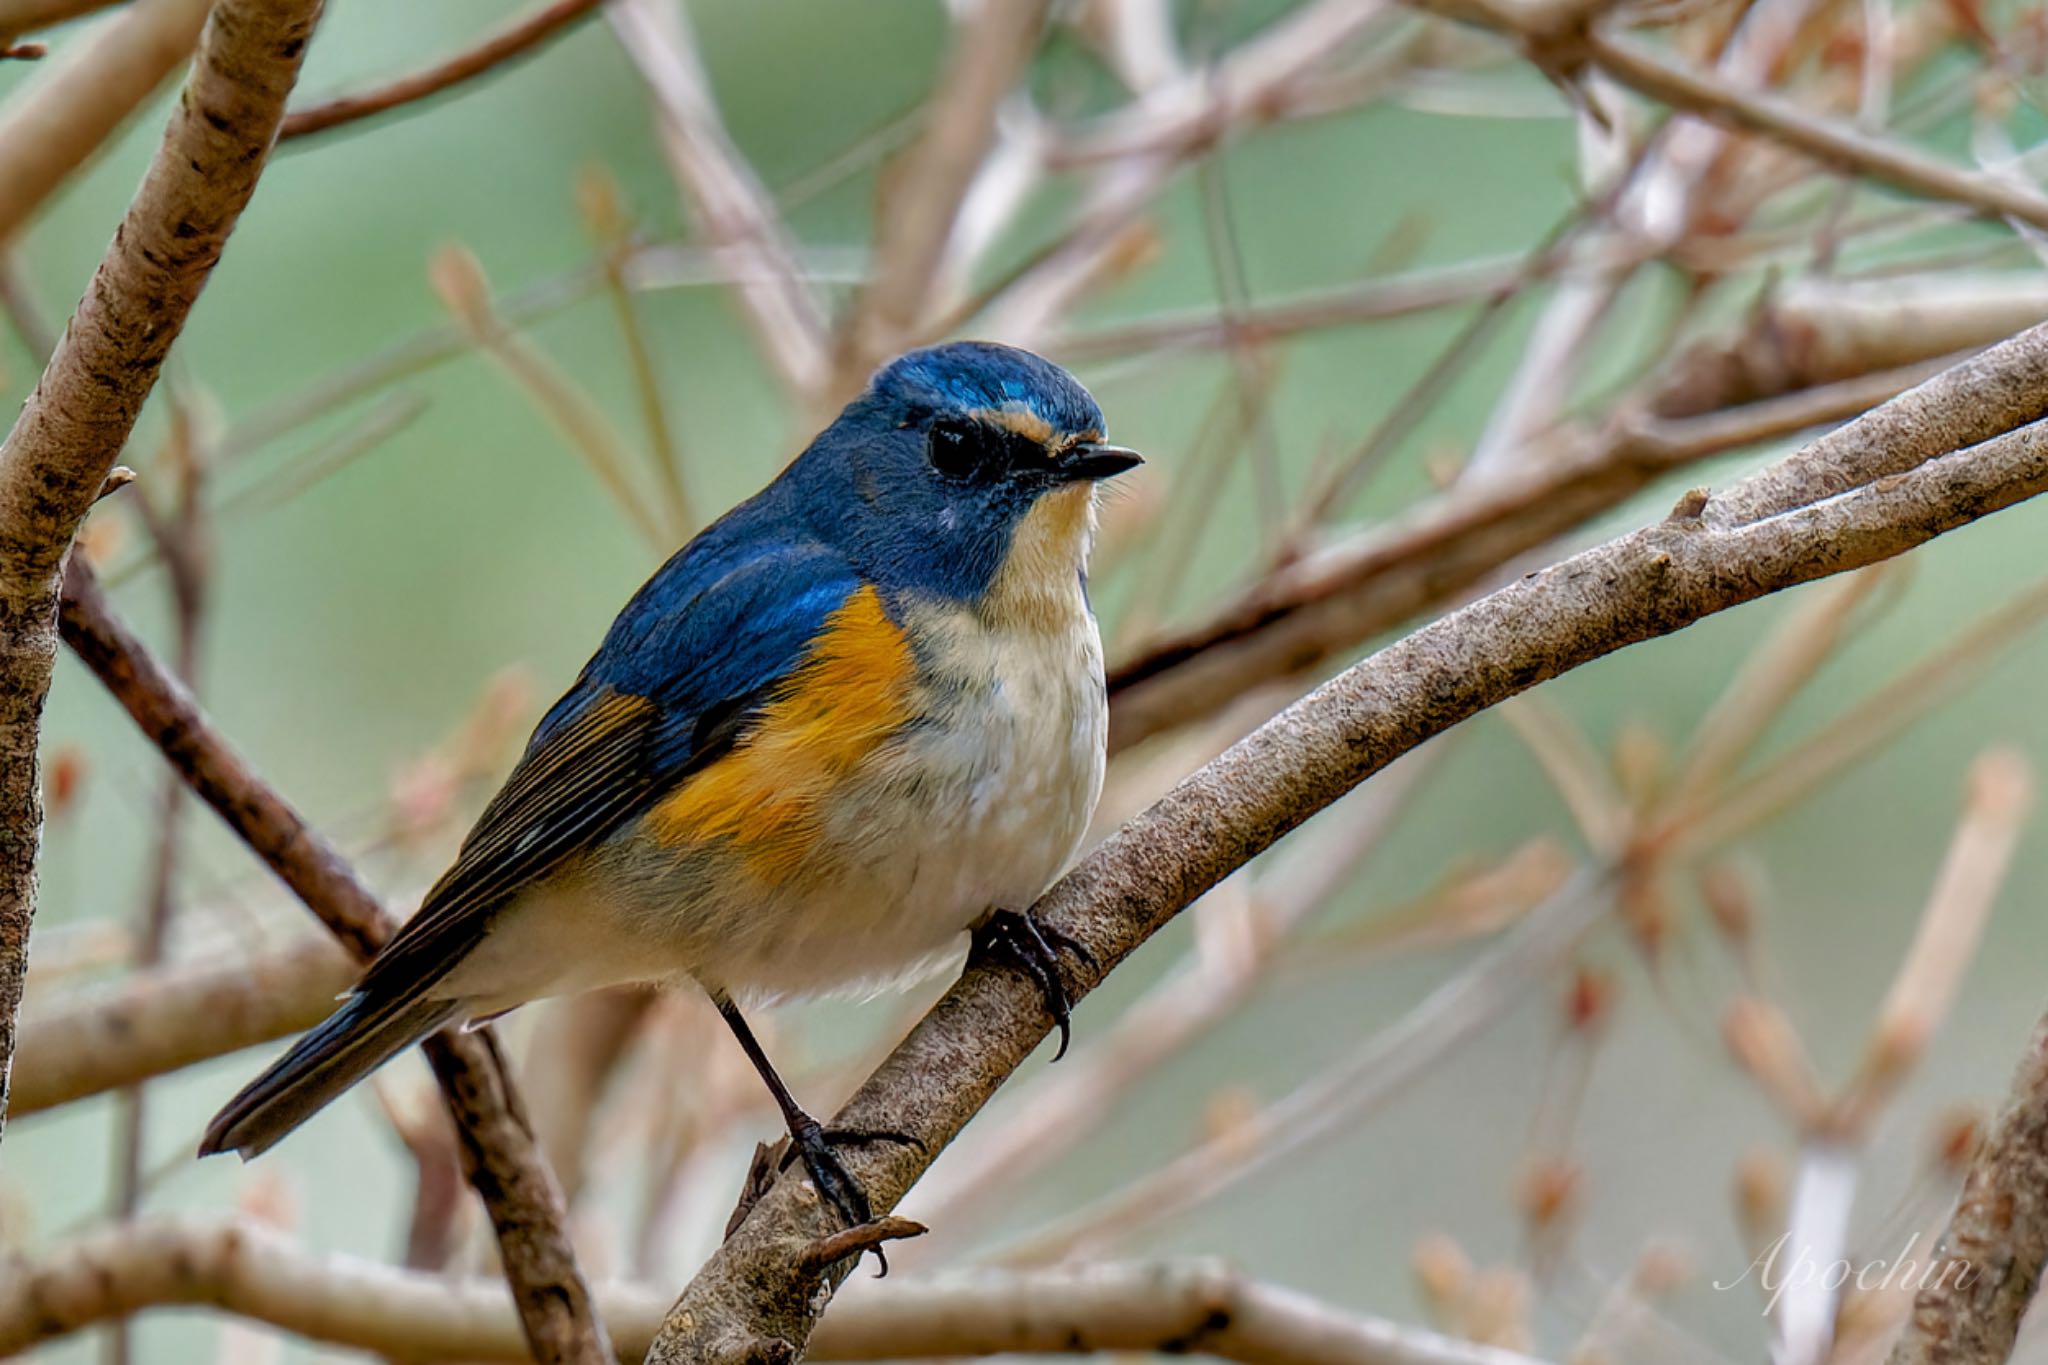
{"type": "Point", "coordinates": [71, 430]}
{"type": "Point", "coordinates": [500, 1155]}
{"type": "Point", "coordinates": [521, 37]}
{"type": "Point", "coordinates": [71, 109]}
{"type": "Point", "coordinates": [155, 1022]}
{"type": "Point", "coordinates": [245, 1268]}
{"type": "Point", "coordinates": [1988, 1263]}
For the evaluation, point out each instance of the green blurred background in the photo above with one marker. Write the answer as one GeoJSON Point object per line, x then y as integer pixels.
{"type": "Point", "coordinates": [354, 625]}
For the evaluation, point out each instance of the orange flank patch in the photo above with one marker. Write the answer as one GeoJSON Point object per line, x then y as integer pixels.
{"type": "Point", "coordinates": [849, 695]}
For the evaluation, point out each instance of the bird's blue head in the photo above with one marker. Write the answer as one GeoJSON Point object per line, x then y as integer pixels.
{"type": "Point", "coordinates": [963, 469]}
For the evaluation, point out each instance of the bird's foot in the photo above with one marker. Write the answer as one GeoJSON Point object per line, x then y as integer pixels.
{"type": "Point", "coordinates": [1025, 942]}
{"type": "Point", "coordinates": [815, 1144]}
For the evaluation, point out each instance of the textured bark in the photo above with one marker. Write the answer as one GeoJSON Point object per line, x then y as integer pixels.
{"type": "Point", "coordinates": [1983, 1273]}
{"type": "Point", "coordinates": [73, 426]}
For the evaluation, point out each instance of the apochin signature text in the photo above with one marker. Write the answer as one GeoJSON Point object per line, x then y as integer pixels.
{"type": "Point", "coordinates": [1776, 1273]}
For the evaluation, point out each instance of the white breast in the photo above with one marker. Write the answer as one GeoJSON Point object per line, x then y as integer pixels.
{"type": "Point", "coordinates": [983, 803]}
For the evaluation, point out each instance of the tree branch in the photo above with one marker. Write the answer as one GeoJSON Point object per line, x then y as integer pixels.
{"type": "Point", "coordinates": [500, 1156]}
{"type": "Point", "coordinates": [62, 116]}
{"type": "Point", "coordinates": [1337, 598]}
{"type": "Point", "coordinates": [518, 38]}
{"type": "Point", "coordinates": [1985, 1269]}
{"type": "Point", "coordinates": [752, 1302]}
{"type": "Point", "coordinates": [154, 1022]}
{"type": "Point", "coordinates": [70, 431]}
{"type": "Point", "coordinates": [32, 16]}
{"type": "Point", "coordinates": [992, 46]}
{"type": "Point", "coordinates": [1188, 1307]}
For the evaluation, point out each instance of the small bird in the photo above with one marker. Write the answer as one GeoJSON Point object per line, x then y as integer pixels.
{"type": "Point", "coordinates": [858, 716]}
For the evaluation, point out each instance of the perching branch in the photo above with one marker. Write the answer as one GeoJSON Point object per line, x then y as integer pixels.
{"type": "Point", "coordinates": [752, 1302]}
{"type": "Point", "coordinates": [1181, 1308]}
{"type": "Point", "coordinates": [73, 426]}
{"type": "Point", "coordinates": [499, 1153]}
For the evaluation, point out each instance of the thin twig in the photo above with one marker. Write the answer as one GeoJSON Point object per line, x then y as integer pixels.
{"type": "Point", "coordinates": [736, 213]}
{"type": "Point", "coordinates": [521, 37]}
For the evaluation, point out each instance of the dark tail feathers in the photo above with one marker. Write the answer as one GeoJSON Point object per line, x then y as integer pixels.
{"type": "Point", "coordinates": [353, 1041]}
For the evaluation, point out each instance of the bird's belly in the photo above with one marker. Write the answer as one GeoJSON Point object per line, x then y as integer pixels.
{"type": "Point", "coordinates": [980, 805]}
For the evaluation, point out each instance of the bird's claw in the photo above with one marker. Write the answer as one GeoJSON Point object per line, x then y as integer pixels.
{"type": "Point", "coordinates": [1027, 943]}
{"type": "Point", "coordinates": [836, 1185]}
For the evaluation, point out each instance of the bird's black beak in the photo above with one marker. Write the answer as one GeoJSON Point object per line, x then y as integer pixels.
{"type": "Point", "coordinates": [1096, 462]}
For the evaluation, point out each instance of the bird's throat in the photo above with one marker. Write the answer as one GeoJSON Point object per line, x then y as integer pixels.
{"type": "Point", "coordinates": [1038, 586]}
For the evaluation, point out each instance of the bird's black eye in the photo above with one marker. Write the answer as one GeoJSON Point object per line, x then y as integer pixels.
{"type": "Point", "coordinates": [954, 449]}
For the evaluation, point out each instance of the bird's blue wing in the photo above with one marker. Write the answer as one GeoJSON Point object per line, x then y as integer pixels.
{"type": "Point", "coordinates": [673, 686]}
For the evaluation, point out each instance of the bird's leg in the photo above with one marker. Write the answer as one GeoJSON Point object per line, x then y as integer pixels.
{"type": "Point", "coordinates": [1028, 944]}
{"type": "Point", "coordinates": [810, 1139]}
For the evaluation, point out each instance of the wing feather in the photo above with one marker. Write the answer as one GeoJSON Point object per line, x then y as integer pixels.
{"type": "Point", "coordinates": [675, 685]}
